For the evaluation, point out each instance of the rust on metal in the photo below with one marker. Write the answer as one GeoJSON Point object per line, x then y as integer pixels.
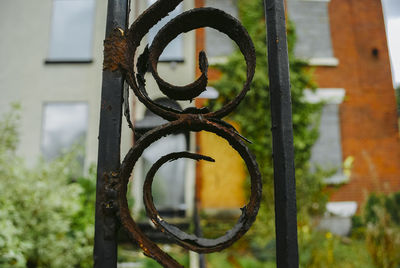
{"type": "Point", "coordinates": [115, 51]}
{"type": "Point", "coordinates": [120, 54]}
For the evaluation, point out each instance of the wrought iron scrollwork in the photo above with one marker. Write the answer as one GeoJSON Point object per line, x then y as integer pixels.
{"type": "Point", "coordinates": [123, 52]}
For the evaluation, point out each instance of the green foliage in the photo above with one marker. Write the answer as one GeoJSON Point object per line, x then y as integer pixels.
{"type": "Point", "coordinates": [46, 219]}
{"type": "Point", "coordinates": [380, 224]}
{"type": "Point", "coordinates": [323, 249]}
{"type": "Point", "coordinates": [235, 259]}
{"type": "Point", "coordinates": [317, 249]}
{"type": "Point", "coordinates": [375, 202]}
{"type": "Point", "coordinates": [8, 132]}
{"type": "Point", "coordinates": [130, 254]}
{"type": "Point", "coordinates": [254, 117]}
{"type": "Point", "coordinates": [182, 258]}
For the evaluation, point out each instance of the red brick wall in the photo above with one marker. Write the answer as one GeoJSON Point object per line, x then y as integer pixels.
{"type": "Point", "coordinates": [368, 114]}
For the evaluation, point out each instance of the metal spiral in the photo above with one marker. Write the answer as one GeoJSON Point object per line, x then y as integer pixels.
{"type": "Point", "coordinates": [191, 119]}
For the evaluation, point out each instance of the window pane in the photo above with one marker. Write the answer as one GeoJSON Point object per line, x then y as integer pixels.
{"type": "Point", "coordinates": [327, 151]}
{"type": "Point", "coordinates": [217, 43]}
{"type": "Point", "coordinates": [174, 50]}
{"type": "Point", "coordinates": [72, 30]}
{"type": "Point", "coordinates": [64, 125]}
{"type": "Point", "coordinates": [169, 182]}
{"type": "Point", "coordinates": [311, 19]}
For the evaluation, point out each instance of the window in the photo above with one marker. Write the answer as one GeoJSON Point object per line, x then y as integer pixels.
{"type": "Point", "coordinates": [174, 50]}
{"type": "Point", "coordinates": [64, 125]}
{"type": "Point", "coordinates": [169, 187]}
{"type": "Point", "coordinates": [218, 45]}
{"type": "Point", "coordinates": [327, 150]}
{"type": "Point", "coordinates": [170, 182]}
{"type": "Point", "coordinates": [71, 31]}
{"type": "Point", "coordinates": [311, 19]}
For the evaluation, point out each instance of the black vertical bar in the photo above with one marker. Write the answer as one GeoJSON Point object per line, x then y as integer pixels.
{"type": "Point", "coordinates": [197, 226]}
{"type": "Point", "coordinates": [282, 134]}
{"type": "Point", "coordinates": [106, 225]}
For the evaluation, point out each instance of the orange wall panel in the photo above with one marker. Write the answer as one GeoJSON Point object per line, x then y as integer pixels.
{"type": "Point", "coordinates": [222, 182]}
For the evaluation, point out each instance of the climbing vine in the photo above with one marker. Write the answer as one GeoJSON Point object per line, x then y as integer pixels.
{"type": "Point", "coordinates": [254, 118]}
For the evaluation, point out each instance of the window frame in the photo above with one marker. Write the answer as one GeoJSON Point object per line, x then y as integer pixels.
{"type": "Point", "coordinates": [67, 59]}
{"type": "Point", "coordinates": [179, 59]}
{"type": "Point", "coordinates": [43, 125]}
{"type": "Point", "coordinates": [139, 171]}
{"type": "Point", "coordinates": [330, 96]}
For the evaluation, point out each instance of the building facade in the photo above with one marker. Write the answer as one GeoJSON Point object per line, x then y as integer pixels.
{"type": "Point", "coordinates": [52, 66]}
{"type": "Point", "coordinates": [52, 63]}
{"type": "Point", "coordinates": [357, 63]}
{"type": "Point", "coordinates": [344, 42]}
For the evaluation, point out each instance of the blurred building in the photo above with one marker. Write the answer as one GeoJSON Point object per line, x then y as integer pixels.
{"type": "Point", "coordinates": [52, 57]}
{"type": "Point", "coordinates": [345, 43]}
{"type": "Point", "coordinates": [52, 63]}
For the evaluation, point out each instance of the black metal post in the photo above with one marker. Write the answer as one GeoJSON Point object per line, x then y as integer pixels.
{"type": "Point", "coordinates": [106, 224]}
{"type": "Point", "coordinates": [282, 133]}
{"type": "Point", "coordinates": [197, 226]}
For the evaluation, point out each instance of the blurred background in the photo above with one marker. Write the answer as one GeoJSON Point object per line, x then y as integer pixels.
{"type": "Point", "coordinates": [345, 77]}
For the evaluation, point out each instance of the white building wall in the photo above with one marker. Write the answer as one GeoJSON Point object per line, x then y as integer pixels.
{"type": "Point", "coordinates": [25, 77]}
{"type": "Point", "coordinates": [25, 27]}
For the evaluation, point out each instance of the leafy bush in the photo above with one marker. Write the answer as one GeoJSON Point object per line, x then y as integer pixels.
{"type": "Point", "coordinates": [380, 224]}
{"type": "Point", "coordinates": [46, 219]}
{"type": "Point", "coordinates": [324, 249]}
{"type": "Point", "coordinates": [317, 249]}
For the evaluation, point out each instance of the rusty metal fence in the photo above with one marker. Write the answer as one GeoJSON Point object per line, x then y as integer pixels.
{"type": "Point", "coordinates": [123, 70]}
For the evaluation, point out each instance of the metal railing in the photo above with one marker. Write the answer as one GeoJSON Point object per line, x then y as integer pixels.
{"type": "Point", "coordinates": [120, 47]}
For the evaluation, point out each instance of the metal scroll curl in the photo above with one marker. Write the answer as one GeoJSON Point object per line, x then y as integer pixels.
{"type": "Point", "coordinates": [193, 119]}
